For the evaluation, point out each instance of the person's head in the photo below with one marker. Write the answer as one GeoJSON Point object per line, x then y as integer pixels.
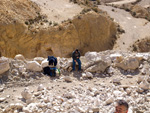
{"type": "Point", "coordinates": [76, 50]}
{"type": "Point", "coordinates": [122, 107]}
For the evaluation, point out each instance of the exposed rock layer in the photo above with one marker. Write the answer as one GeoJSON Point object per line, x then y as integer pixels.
{"type": "Point", "coordinates": [89, 32]}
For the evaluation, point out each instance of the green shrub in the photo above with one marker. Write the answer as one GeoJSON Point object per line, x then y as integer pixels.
{"type": "Point", "coordinates": [95, 9]}
{"type": "Point", "coordinates": [26, 22]}
{"type": "Point", "coordinates": [55, 24]}
{"type": "Point", "coordinates": [50, 23]}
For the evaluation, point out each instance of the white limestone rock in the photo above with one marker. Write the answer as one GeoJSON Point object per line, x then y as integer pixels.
{"type": "Point", "coordinates": [109, 100]}
{"type": "Point", "coordinates": [89, 75]}
{"type": "Point", "coordinates": [44, 63]}
{"type": "Point", "coordinates": [128, 90]}
{"type": "Point", "coordinates": [140, 79]}
{"type": "Point", "coordinates": [99, 66]}
{"type": "Point", "coordinates": [26, 94]}
{"type": "Point", "coordinates": [15, 72]}
{"type": "Point", "coordinates": [116, 57]}
{"type": "Point", "coordinates": [91, 56]}
{"type": "Point", "coordinates": [33, 66]}
{"type": "Point", "coordinates": [95, 109]}
{"type": "Point", "coordinates": [19, 57]}
{"type": "Point", "coordinates": [2, 99]}
{"type": "Point", "coordinates": [148, 79]}
{"type": "Point", "coordinates": [40, 87]}
{"type": "Point", "coordinates": [19, 105]}
{"type": "Point", "coordinates": [140, 90]}
{"type": "Point", "coordinates": [4, 64]}
{"type": "Point", "coordinates": [116, 80]}
{"type": "Point", "coordinates": [144, 85]}
{"type": "Point", "coordinates": [128, 63]}
{"type": "Point", "coordinates": [38, 59]}
{"type": "Point", "coordinates": [1, 89]}
{"type": "Point", "coordinates": [67, 79]}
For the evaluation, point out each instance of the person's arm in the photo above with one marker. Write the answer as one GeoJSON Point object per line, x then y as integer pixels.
{"type": "Point", "coordinates": [73, 56]}
{"type": "Point", "coordinates": [79, 54]}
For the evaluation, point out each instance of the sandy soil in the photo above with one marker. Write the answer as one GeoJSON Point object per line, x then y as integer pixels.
{"type": "Point", "coordinates": [12, 91]}
{"type": "Point", "coordinates": [135, 28]}
{"type": "Point", "coordinates": [58, 10]}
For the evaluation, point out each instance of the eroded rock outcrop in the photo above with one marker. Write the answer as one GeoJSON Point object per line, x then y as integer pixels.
{"type": "Point", "coordinates": [89, 32]}
{"type": "Point", "coordinates": [4, 64]}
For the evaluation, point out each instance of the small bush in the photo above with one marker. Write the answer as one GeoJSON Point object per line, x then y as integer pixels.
{"type": "Point", "coordinates": [134, 13]}
{"type": "Point", "coordinates": [55, 24]}
{"type": "Point", "coordinates": [69, 20]}
{"type": "Point", "coordinates": [26, 22]}
{"type": "Point", "coordinates": [128, 10]}
{"type": "Point", "coordinates": [113, 10]}
{"type": "Point", "coordinates": [50, 23]}
{"type": "Point", "coordinates": [95, 9]}
{"type": "Point", "coordinates": [85, 10]}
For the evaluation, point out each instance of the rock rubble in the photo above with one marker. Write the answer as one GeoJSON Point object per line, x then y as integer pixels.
{"type": "Point", "coordinates": [115, 67]}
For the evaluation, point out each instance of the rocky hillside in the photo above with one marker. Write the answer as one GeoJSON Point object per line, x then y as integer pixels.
{"type": "Point", "coordinates": [17, 11]}
{"type": "Point", "coordinates": [37, 36]}
{"type": "Point", "coordinates": [106, 77]}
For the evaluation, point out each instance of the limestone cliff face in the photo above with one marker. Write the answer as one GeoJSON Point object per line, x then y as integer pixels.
{"type": "Point", "coordinates": [89, 32]}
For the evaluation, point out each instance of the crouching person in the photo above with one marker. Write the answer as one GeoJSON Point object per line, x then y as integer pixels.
{"type": "Point", "coordinates": [51, 68]}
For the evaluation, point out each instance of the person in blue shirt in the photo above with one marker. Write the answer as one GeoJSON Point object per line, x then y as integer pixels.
{"type": "Point", "coordinates": [76, 59]}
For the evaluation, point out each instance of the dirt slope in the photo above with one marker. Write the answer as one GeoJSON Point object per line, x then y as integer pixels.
{"type": "Point", "coordinates": [58, 10]}
{"type": "Point", "coordinates": [144, 3]}
{"type": "Point", "coordinates": [17, 10]}
{"type": "Point", "coordinates": [135, 28]}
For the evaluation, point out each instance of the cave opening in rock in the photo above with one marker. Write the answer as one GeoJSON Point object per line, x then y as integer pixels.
{"type": "Point", "coordinates": [49, 52]}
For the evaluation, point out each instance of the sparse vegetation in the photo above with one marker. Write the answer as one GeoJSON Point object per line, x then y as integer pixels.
{"type": "Point", "coordinates": [55, 24]}
{"type": "Point", "coordinates": [50, 23]}
{"type": "Point", "coordinates": [26, 22]}
{"type": "Point", "coordinates": [85, 10]}
{"type": "Point", "coordinates": [95, 9]}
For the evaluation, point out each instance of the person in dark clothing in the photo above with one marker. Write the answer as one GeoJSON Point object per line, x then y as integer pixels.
{"type": "Point", "coordinates": [52, 60]}
{"type": "Point", "coordinates": [76, 59]}
{"type": "Point", "coordinates": [51, 69]}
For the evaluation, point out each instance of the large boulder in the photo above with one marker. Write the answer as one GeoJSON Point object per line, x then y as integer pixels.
{"type": "Point", "coordinates": [91, 56]}
{"type": "Point", "coordinates": [128, 63]}
{"type": "Point", "coordinates": [39, 59]}
{"type": "Point", "coordinates": [4, 64]}
{"type": "Point", "coordinates": [33, 66]}
{"type": "Point", "coordinates": [99, 66]}
{"type": "Point", "coordinates": [44, 63]}
{"type": "Point", "coordinates": [19, 57]}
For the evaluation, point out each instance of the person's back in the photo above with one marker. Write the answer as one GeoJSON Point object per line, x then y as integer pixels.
{"type": "Point", "coordinates": [51, 69]}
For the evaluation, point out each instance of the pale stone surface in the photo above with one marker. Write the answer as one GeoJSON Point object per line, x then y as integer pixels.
{"type": "Point", "coordinates": [39, 59]}
{"type": "Point", "coordinates": [26, 94]}
{"type": "Point", "coordinates": [144, 85]}
{"type": "Point", "coordinates": [128, 63]}
{"type": "Point", "coordinates": [44, 63]}
{"type": "Point", "coordinates": [31, 45]}
{"type": "Point", "coordinates": [4, 64]}
{"type": "Point", "coordinates": [33, 66]}
{"type": "Point", "coordinates": [100, 66]}
{"type": "Point", "coordinates": [19, 57]}
{"type": "Point", "coordinates": [67, 79]}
